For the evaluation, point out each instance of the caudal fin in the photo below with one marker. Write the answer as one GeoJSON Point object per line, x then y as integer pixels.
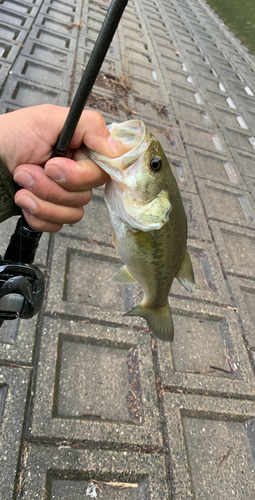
{"type": "Point", "coordinates": [159, 320]}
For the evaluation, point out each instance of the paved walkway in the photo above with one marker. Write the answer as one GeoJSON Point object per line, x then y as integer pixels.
{"type": "Point", "coordinates": [90, 404]}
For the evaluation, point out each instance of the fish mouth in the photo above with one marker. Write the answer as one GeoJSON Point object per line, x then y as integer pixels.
{"type": "Point", "coordinates": [134, 135]}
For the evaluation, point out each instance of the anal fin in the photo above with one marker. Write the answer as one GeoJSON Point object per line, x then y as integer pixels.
{"type": "Point", "coordinates": [185, 276]}
{"type": "Point", "coordinates": [123, 276]}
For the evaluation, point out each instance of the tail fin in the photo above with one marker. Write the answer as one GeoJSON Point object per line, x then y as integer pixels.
{"type": "Point", "coordinates": [159, 320]}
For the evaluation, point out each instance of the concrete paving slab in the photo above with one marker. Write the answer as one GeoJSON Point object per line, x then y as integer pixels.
{"type": "Point", "coordinates": [197, 224]}
{"type": "Point", "coordinates": [97, 474]}
{"type": "Point", "coordinates": [42, 52]}
{"type": "Point", "coordinates": [215, 167]}
{"type": "Point", "coordinates": [192, 83]}
{"type": "Point", "coordinates": [42, 73]}
{"type": "Point", "coordinates": [228, 204]}
{"type": "Point", "coordinates": [16, 19]}
{"type": "Point", "coordinates": [243, 293]}
{"type": "Point", "coordinates": [236, 247]}
{"type": "Point", "coordinates": [220, 367]}
{"type": "Point", "coordinates": [13, 395]}
{"type": "Point", "coordinates": [21, 92]}
{"type": "Point", "coordinates": [57, 26]}
{"type": "Point", "coordinates": [213, 456]}
{"type": "Point", "coordinates": [114, 402]}
{"type": "Point", "coordinates": [210, 285]}
{"type": "Point", "coordinates": [9, 32]}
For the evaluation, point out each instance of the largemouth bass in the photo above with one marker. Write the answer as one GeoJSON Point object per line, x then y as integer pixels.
{"type": "Point", "coordinates": [149, 222]}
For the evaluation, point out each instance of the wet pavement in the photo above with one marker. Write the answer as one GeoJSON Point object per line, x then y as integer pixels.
{"type": "Point", "coordinates": [91, 405]}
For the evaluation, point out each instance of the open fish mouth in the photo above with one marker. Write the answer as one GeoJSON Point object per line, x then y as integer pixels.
{"type": "Point", "coordinates": [134, 136]}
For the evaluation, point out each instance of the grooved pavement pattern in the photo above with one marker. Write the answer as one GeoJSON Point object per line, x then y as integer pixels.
{"type": "Point", "coordinates": [91, 405]}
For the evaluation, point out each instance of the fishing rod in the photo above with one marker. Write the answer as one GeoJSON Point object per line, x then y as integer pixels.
{"type": "Point", "coordinates": [21, 283]}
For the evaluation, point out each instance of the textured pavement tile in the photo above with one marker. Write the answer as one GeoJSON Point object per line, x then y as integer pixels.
{"type": "Point", "coordinates": [155, 92]}
{"type": "Point", "coordinates": [189, 94]}
{"type": "Point", "coordinates": [13, 394]}
{"type": "Point", "coordinates": [97, 474]}
{"type": "Point", "coordinates": [210, 283]}
{"type": "Point", "coordinates": [61, 28]}
{"type": "Point", "coordinates": [213, 83]}
{"type": "Point", "coordinates": [240, 139]}
{"type": "Point", "coordinates": [4, 70]}
{"type": "Point", "coordinates": [95, 225]}
{"type": "Point", "coordinates": [182, 172]}
{"type": "Point", "coordinates": [26, 8]}
{"type": "Point", "coordinates": [227, 203]}
{"type": "Point", "coordinates": [173, 63]}
{"type": "Point", "coordinates": [54, 37]}
{"type": "Point", "coordinates": [150, 112]}
{"type": "Point", "coordinates": [43, 73]}
{"type": "Point", "coordinates": [79, 285]}
{"type": "Point", "coordinates": [42, 52]}
{"type": "Point", "coordinates": [8, 33]}
{"type": "Point", "coordinates": [68, 15]}
{"type": "Point", "coordinates": [169, 138]}
{"type": "Point", "coordinates": [149, 72]}
{"type": "Point", "coordinates": [115, 399]}
{"type": "Point", "coordinates": [212, 447]}
{"type": "Point", "coordinates": [180, 77]}
{"type": "Point", "coordinates": [214, 167]}
{"type": "Point", "coordinates": [236, 247]}
{"type": "Point", "coordinates": [8, 52]}
{"type": "Point", "coordinates": [243, 292]}
{"type": "Point", "coordinates": [197, 225]}
{"type": "Point", "coordinates": [17, 338]}
{"type": "Point", "coordinates": [24, 93]}
{"type": "Point", "coordinates": [222, 99]}
{"type": "Point", "coordinates": [110, 65]}
{"type": "Point", "coordinates": [198, 136]}
{"type": "Point", "coordinates": [230, 118]}
{"type": "Point", "coordinates": [15, 19]}
{"type": "Point", "coordinates": [208, 355]}
{"type": "Point", "coordinates": [245, 162]}
{"type": "Point", "coordinates": [193, 113]}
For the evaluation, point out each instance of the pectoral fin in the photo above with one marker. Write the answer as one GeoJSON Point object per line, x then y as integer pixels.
{"type": "Point", "coordinates": [123, 276]}
{"type": "Point", "coordinates": [185, 275]}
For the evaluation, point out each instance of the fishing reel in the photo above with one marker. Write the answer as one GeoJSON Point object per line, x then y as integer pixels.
{"type": "Point", "coordinates": [21, 283]}
{"type": "Point", "coordinates": [21, 290]}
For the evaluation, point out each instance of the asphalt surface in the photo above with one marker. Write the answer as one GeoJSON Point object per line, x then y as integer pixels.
{"type": "Point", "coordinates": [91, 405]}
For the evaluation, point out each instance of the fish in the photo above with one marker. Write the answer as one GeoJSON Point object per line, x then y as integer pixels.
{"type": "Point", "coordinates": [149, 222]}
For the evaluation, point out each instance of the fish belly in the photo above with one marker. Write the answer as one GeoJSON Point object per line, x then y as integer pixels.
{"type": "Point", "coordinates": [148, 259]}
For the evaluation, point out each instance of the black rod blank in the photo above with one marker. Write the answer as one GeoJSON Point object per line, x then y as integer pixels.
{"type": "Point", "coordinates": [95, 62]}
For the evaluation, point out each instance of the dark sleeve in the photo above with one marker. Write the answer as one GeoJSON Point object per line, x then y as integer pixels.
{"type": "Point", "coordinates": [7, 192]}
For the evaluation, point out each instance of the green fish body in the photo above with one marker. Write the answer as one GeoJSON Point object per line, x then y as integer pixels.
{"type": "Point", "coordinates": [148, 221]}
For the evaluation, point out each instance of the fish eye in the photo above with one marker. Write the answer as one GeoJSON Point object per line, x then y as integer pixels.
{"type": "Point", "coordinates": [156, 164]}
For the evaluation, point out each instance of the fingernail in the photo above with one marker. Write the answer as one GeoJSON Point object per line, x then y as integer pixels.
{"type": "Point", "coordinates": [26, 203]}
{"type": "Point", "coordinates": [24, 179]}
{"type": "Point", "coordinates": [55, 173]}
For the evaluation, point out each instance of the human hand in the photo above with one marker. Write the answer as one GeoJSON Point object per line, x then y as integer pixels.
{"type": "Point", "coordinates": [53, 195]}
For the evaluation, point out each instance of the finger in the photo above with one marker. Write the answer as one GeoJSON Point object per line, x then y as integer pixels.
{"type": "Point", "coordinates": [75, 175]}
{"type": "Point", "coordinates": [46, 211]}
{"type": "Point", "coordinates": [92, 131]}
{"type": "Point", "coordinates": [34, 178]}
{"type": "Point", "coordinates": [41, 225]}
